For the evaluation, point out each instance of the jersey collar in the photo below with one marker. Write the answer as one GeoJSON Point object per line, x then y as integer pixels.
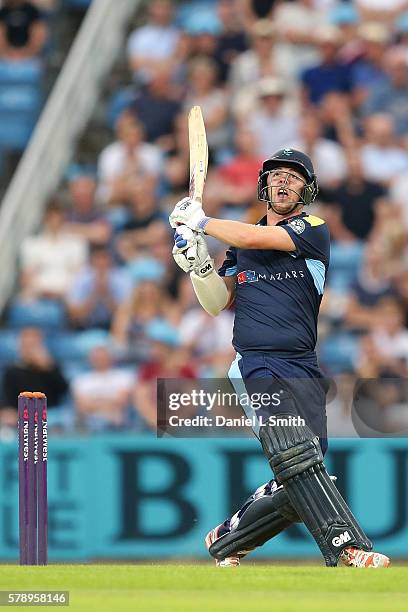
{"type": "Point", "coordinates": [284, 221]}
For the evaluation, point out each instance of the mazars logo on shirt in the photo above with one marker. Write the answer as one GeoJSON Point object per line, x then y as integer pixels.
{"type": "Point", "coordinates": [250, 276]}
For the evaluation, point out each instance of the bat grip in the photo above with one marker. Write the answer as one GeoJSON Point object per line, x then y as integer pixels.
{"type": "Point", "coordinates": [191, 253]}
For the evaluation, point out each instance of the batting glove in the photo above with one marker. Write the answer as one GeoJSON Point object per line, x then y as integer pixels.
{"type": "Point", "coordinates": [188, 212]}
{"type": "Point", "coordinates": [202, 265]}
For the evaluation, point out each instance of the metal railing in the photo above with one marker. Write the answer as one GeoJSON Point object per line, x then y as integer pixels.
{"type": "Point", "coordinates": [62, 121]}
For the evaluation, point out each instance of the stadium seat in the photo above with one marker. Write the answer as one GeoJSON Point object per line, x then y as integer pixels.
{"type": "Point", "coordinates": [121, 100]}
{"type": "Point", "coordinates": [20, 102]}
{"type": "Point", "coordinates": [46, 314]}
{"type": "Point", "coordinates": [25, 72]}
{"type": "Point", "coordinates": [345, 261]}
{"type": "Point", "coordinates": [78, 4]}
{"type": "Point", "coordinates": [72, 346]}
{"type": "Point", "coordinates": [338, 352]}
{"type": "Point", "coordinates": [8, 346]}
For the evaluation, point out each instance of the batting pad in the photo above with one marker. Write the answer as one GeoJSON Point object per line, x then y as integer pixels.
{"type": "Point", "coordinates": [262, 520]}
{"type": "Point", "coordinates": [296, 459]}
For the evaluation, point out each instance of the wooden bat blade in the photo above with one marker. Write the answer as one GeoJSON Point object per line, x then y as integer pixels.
{"type": "Point", "coordinates": [198, 153]}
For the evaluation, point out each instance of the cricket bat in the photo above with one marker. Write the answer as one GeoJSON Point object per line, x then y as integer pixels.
{"type": "Point", "coordinates": [198, 161]}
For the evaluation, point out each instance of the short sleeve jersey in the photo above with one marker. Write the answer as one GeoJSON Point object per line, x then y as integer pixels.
{"type": "Point", "coordinates": [278, 293]}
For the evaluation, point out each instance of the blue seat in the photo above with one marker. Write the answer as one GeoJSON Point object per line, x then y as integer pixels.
{"type": "Point", "coordinates": [121, 100]}
{"type": "Point", "coordinates": [8, 346]}
{"type": "Point", "coordinates": [20, 98]}
{"type": "Point", "coordinates": [19, 109]}
{"type": "Point", "coordinates": [198, 17]}
{"type": "Point", "coordinates": [345, 261]}
{"type": "Point", "coordinates": [338, 352]}
{"type": "Point", "coordinates": [75, 346]}
{"type": "Point", "coordinates": [78, 4]}
{"type": "Point", "coordinates": [46, 314]}
{"type": "Point", "coordinates": [25, 72]}
{"type": "Point", "coordinates": [15, 130]}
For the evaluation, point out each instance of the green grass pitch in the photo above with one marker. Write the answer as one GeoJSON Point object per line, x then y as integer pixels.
{"type": "Point", "coordinates": [199, 587]}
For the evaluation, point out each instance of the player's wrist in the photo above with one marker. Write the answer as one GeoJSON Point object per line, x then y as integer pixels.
{"type": "Point", "coordinates": [202, 224]}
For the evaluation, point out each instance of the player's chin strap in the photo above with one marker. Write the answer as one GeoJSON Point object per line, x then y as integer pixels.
{"type": "Point", "coordinates": [287, 212]}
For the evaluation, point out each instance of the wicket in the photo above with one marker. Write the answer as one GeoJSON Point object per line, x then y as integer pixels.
{"type": "Point", "coordinates": [32, 474]}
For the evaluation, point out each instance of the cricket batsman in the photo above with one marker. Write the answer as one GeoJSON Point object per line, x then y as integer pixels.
{"type": "Point", "coordinates": [275, 273]}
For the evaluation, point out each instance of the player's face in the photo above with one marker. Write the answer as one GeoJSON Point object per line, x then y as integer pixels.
{"type": "Point", "coordinates": [285, 187]}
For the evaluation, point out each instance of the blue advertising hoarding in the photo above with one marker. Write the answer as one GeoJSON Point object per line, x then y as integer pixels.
{"type": "Point", "coordinates": [125, 497]}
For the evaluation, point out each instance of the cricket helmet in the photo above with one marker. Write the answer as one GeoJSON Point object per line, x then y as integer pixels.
{"type": "Point", "coordinates": [298, 161]}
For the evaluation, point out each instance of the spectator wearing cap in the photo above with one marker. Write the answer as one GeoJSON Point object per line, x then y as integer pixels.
{"type": "Point", "coordinates": [23, 30]}
{"type": "Point", "coordinates": [259, 61]}
{"type": "Point", "coordinates": [102, 395]}
{"type": "Point", "coordinates": [383, 158]}
{"type": "Point", "coordinates": [369, 71]}
{"type": "Point", "coordinates": [168, 360]}
{"type": "Point", "coordinates": [84, 216]}
{"type": "Point", "coordinates": [154, 44]}
{"type": "Point", "coordinates": [273, 125]}
{"type": "Point", "coordinates": [330, 74]}
{"type": "Point", "coordinates": [392, 96]}
{"type": "Point", "coordinates": [97, 291]}
{"type": "Point", "coordinates": [203, 90]}
{"type": "Point", "coordinates": [126, 159]}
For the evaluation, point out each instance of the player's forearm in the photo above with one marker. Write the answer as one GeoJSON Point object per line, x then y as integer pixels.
{"type": "Point", "coordinates": [234, 233]}
{"type": "Point", "coordinates": [246, 236]}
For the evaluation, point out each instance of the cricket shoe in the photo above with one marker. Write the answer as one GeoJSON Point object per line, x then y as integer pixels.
{"type": "Point", "coordinates": [354, 557]}
{"type": "Point", "coordinates": [228, 561]}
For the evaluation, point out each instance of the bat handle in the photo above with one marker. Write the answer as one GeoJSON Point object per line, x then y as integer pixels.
{"type": "Point", "coordinates": [191, 253]}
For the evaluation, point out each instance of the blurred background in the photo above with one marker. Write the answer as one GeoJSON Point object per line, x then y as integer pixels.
{"type": "Point", "coordinates": [94, 97]}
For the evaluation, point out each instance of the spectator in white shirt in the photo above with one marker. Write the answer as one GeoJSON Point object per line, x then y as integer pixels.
{"type": "Point", "coordinates": [126, 159]}
{"type": "Point", "coordinates": [155, 43]}
{"type": "Point", "coordinates": [102, 395]}
{"type": "Point", "coordinates": [258, 62]}
{"type": "Point", "coordinates": [273, 124]}
{"type": "Point", "coordinates": [50, 260]}
{"type": "Point", "coordinates": [382, 156]}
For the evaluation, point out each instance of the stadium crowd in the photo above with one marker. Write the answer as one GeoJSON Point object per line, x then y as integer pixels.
{"type": "Point", "coordinates": [101, 310]}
